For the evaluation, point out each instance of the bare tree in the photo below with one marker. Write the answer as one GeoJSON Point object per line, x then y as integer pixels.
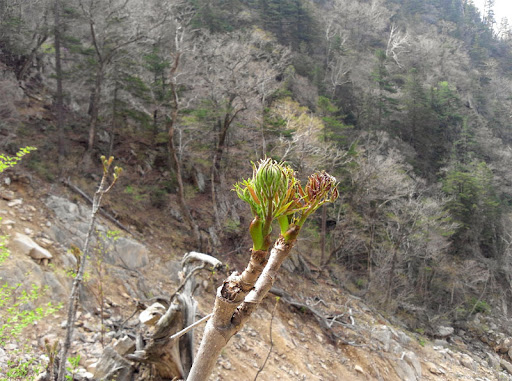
{"type": "Point", "coordinates": [238, 73]}
{"type": "Point", "coordinates": [103, 188]}
{"type": "Point", "coordinates": [398, 42]}
{"type": "Point", "coordinates": [181, 35]}
{"type": "Point", "coordinates": [111, 28]}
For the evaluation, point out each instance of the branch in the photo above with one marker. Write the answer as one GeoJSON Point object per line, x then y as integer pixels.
{"type": "Point", "coordinates": [177, 335]}
{"type": "Point", "coordinates": [236, 300]}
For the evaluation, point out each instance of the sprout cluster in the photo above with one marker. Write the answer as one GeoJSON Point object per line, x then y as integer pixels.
{"type": "Point", "coordinates": [274, 193]}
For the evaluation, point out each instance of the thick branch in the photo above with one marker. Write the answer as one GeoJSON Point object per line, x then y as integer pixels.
{"type": "Point", "coordinates": [233, 306]}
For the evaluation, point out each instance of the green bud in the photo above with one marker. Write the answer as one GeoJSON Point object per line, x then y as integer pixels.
{"type": "Point", "coordinates": [255, 229]}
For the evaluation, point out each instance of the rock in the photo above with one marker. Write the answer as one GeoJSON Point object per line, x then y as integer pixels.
{"type": "Point", "coordinates": [25, 245]}
{"type": "Point", "coordinates": [405, 371]}
{"type": "Point", "coordinates": [440, 343]}
{"type": "Point", "coordinates": [7, 194]}
{"type": "Point", "coordinates": [358, 369]}
{"type": "Point", "coordinates": [103, 136]}
{"type": "Point", "coordinates": [91, 364]}
{"type": "Point", "coordinates": [72, 224]}
{"type": "Point", "coordinates": [128, 253]}
{"type": "Point", "coordinates": [493, 360]}
{"type": "Point", "coordinates": [402, 338]}
{"type": "Point", "coordinates": [432, 368]}
{"type": "Point", "coordinates": [505, 345]}
{"type": "Point", "coordinates": [506, 365]}
{"type": "Point", "coordinates": [226, 364]}
{"type": "Point", "coordinates": [124, 346]}
{"type": "Point", "coordinates": [90, 327]}
{"type": "Point", "coordinates": [46, 243]}
{"type": "Point", "coordinates": [8, 222]}
{"type": "Point", "coordinates": [3, 358]}
{"type": "Point", "coordinates": [10, 346]}
{"type": "Point", "coordinates": [84, 375]}
{"type": "Point", "coordinates": [382, 334]}
{"type": "Point", "coordinates": [468, 362]}
{"type": "Point", "coordinates": [411, 359]}
{"type": "Point", "coordinates": [16, 202]}
{"type": "Point", "coordinates": [443, 331]}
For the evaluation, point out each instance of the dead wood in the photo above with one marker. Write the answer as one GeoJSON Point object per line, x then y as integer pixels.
{"type": "Point", "coordinates": [164, 345]}
{"type": "Point", "coordinates": [321, 318]}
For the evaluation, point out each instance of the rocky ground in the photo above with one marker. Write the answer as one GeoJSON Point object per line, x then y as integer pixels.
{"type": "Point", "coordinates": [354, 342]}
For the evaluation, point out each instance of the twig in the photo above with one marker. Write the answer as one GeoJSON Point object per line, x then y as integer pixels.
{"type": "Point", "coordinates": [189, 275]}
{"type": "Point", "coordinates": [304, 307]}
{"type": "Point", "coordinates": [271, 340]}
{"type": "Point", "coordinates": [318, 302]}
{"type": "Point", "coordinates": [101, 210]}
{"type": "Point", "coordinates": [137, 309]}
{"type": "Point", "coordinates": [177, 335]}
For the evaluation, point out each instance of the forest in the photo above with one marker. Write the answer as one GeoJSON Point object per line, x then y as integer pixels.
{"type": "Point", "coordinates": [408, 103]}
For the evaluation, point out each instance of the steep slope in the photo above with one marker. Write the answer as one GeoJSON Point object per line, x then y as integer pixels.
{"type": "Point", "coordinates": [360, 344]}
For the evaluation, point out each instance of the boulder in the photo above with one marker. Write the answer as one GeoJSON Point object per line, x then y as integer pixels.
{"type": "Point", "coordinates": [434, 369]}
{"type": "Point", "coordinates": [468, 362]}
{"type": "Point", "coordinates": [383, 335]}
{"type": "Point", "coordinates": [411, 359]}
{"type": "Point", "coordinates": [124, 346]}
{"type": "Point", "coordinates": [506, 365]}
{"type": "Point", "coordinates": [405, 371]}
{"type": "Point", "coordinates": [128, 253]}
{"type": "Point", "coordinates": [25, 245]}
{"type": "Point", "coordinates": [443, 331]}
{"type": "Point", "coordinates": [14, 272]}
{"type": "Point", "coordinates": [70, 228]}
{"type": "Point", "coordinates": [505, 345]}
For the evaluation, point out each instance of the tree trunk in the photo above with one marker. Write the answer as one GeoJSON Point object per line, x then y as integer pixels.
{"type": "Point", "coordinates": [176, 166]}
{"type": "Point", "coordinates": [20, 75]}
{"type": "Point", "coordinates": [113, 126]}
{"type": "Point", "coordinates": [77, 282]}
{"type": "Point", "coordinates": [174, 159]}
{"type": "Point", "coordinates": [59, 96]}
{"type": "Point", "coordinates": [94, 106]}
{"type": "Point", "coordinates": [217, 156]}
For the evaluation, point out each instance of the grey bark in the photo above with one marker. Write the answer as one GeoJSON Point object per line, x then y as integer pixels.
{"type": "Point", "coordinates": [77, 283]}
{"type": "Point", "coordinates": [236, 300]}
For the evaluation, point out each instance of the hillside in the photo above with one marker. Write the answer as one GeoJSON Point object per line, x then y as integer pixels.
{"type": "Point", "coordinates": [363, 344]}
{"type": "Point", "coordinates": [406, 102]}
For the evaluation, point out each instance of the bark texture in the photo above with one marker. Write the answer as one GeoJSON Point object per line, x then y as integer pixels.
{"type": "Point", "coordinates": [236, 300]}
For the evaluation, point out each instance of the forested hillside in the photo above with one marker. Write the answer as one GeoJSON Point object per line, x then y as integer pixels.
{"type": "Point", "coordinates": [407, 102]}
